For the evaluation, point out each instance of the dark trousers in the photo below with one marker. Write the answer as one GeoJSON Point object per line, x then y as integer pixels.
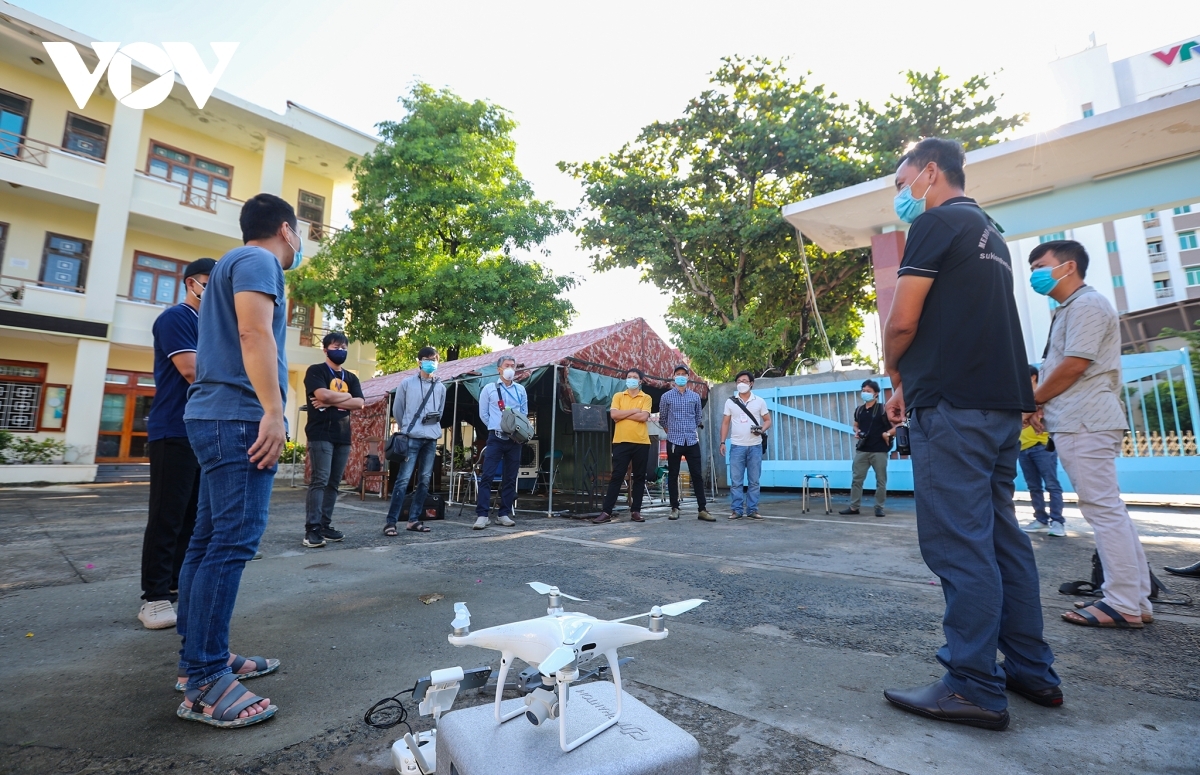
{"type": "Point", "coordinates": [503, 454]}
{"type": "Point", "coordinates": [174, 488]}
{"type": "Point", "coordinates": [328, 465]}
{"type": "Point", "coordinates": [623, 454]}
{"type": "Point", "coordinates": [692, 453]}
{"type": "Point", "coordinates": [964, 467]}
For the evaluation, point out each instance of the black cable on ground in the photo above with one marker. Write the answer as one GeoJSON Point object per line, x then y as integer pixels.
{"type": "Point", "coordinates": [388, 712]}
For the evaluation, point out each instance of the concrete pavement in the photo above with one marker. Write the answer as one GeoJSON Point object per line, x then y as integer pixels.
{"type": "Point", "coordinates": [810, 617]}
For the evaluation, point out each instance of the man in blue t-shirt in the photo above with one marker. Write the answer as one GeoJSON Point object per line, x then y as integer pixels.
{"type": "Point", "coordinates": [174, 472]}
{"type": "Point", "coordinates": [235, 422]}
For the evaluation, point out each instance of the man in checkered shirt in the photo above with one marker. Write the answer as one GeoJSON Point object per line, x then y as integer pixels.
{"type": "Point", "coordinates": [680, 416]}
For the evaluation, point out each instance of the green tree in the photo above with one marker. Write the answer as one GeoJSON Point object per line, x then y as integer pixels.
{"type": "Point", "coordinates": [695, 203]}
{"type": "Point", "coordinates": [428, 257]}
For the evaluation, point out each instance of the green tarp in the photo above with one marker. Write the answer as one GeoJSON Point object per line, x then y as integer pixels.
{"type": "Point", "coordinates": [591, 388]}
{"type": "Point", "coordinates": [490, 374]}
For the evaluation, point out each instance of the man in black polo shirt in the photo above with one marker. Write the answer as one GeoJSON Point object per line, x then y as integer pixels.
{"type": "Point", "coordinates": [957, 361]}
{"type": "Point", "coordinates": [874, 433]}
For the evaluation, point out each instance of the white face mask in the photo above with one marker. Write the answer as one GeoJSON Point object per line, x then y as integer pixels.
{"type": "Point", "coordinates": [743, 388]}
{"type": "Point", "coordinates": [509, 374]}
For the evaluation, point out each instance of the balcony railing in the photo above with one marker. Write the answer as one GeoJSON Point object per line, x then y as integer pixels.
{"type": "Point", "coordinates": [24, 148]}
{"type": "Point", "coordinates": [12, 289]}
{"type": "Point", "coordinates": [1158, 258]}
{"type": "Point", "coordinates": [311, 337]}
{"type": "Point", "coordinates": [1164, 293]}
{"type": "Point", "coordinates": [317, 232]}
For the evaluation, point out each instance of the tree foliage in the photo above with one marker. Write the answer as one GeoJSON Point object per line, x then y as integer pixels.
{"type": "Point", "coordinates": [428, 258]}
{"type": "Point", "coordinates": [695, 203]}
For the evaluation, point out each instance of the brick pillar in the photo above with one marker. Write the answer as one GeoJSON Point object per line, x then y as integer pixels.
{"type": "Point", "coordinates": [886, 251]}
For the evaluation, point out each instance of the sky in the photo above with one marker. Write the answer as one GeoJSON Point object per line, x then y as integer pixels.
{"type": "Point", "coordinates": [582, 78]}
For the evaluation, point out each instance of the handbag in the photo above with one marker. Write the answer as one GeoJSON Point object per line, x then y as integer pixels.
{"type": "Point", "coordinates": [397, 447]}
{"type": "Point", "coordinates": [516, 425]}
{"type": "Point", "coordinates": [754, 420]}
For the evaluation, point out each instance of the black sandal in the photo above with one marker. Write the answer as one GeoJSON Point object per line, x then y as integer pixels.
{"type": "Point", "coordinates": [417, 527]}
{"type": "Point", "coordinates": [390, 530]}
{"type": "Point", "coordinates": [1119, 622]}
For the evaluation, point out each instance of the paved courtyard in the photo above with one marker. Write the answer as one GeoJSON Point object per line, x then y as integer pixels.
{"type": "Point", "coordinates": [811, 616]}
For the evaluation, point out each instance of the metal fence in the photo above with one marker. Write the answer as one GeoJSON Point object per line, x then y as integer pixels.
{"type": "Point", "coordinates": [812, 430]}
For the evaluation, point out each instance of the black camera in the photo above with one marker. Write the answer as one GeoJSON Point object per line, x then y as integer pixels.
{"type": "Point", "coordinates": [431, 418]}
{"type": "Point", "coordinates": [902, 446]}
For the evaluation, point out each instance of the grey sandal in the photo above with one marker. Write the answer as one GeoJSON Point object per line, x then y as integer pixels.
{"type": "Point", "coordinates": [262, 666]}
{"type": "Point", "coordinates": [227, 703]}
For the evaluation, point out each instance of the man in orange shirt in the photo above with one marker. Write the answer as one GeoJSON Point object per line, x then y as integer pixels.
{"type": "Point", "coordinates": [631, 444]}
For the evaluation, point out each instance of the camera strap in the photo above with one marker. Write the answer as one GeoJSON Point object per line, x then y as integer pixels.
{"type": "Point", "coordinates": [416, 414]}
{"type": "Point", "coordinates": [740, 405]}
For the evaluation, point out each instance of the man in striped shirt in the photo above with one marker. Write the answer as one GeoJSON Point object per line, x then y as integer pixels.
{"type": "Point", "coordinates": [680, 416]}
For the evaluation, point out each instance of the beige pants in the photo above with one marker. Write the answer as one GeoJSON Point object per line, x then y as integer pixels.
{"type": "Point", "coordinates": [863, 461]}
{"type": "Point", "coordinates": [1089, 459]}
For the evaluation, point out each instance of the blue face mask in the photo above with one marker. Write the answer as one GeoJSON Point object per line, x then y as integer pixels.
{"type": "Point", "coordinates": [1042, 279]}
{"type": "Point", "coordinates": [632, 382]}
{"type": "Point", "coordinates": [681, 380]}
{"type": "Point", "coordinates": [907, 206]}
{"type": "Point", "coordinates": [868, 396]}
{"type": "Point", "coordinates": [298, 256]}
{"type": "Point", "coordinates": [429, 367]}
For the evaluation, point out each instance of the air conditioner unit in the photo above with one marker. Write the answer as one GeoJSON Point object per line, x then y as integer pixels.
{"type": "Point", "coordinates": [531, 458]}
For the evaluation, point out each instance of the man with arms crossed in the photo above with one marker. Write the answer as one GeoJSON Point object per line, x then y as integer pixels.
{"type": "Point", "coordinates": [681, 416]}
{"type": "Point", "coordinates": [1077, 395]}
{"type": "Point", "coordinates": [955, 354]}
{"type": "Point", "coordinates": [501, 452]}
{"type": "Point", "coordinates": [174, 472]}
{"type": "Point", "coordinates": [235, 422]}
{"type": "Point", "coordinates": [332, 394]}
{"type": "Point", "coordinates": [630, 411]}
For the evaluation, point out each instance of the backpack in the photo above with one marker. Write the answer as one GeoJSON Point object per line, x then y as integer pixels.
{"type": "Point", "coordinates": [1093, 588]}
{"type": "Point", "coordinates": [516, 425]}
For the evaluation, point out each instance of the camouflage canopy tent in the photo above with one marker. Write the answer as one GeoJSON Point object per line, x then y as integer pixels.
{"type": "Point", "coordinates": [581, 368]}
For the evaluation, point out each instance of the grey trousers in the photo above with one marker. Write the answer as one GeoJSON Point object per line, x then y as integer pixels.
{"type": "Point", "coordinates": [863, 461]}
{"type": "Point", "coordinates": [1090, 460]}
{"type": "Point", "coordinates": [328, 465]}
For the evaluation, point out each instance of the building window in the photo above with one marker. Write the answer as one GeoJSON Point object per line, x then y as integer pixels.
{"type": "Point", "coordinates": [20, 395]}
{"type": "Point", "coordinates": [1111, 246]}
{"type": "Point", "coordinates": [1058, 235]}
{"type": "Point", "coordinates": [1118, 281]}
{"type": "Point", "coordinates": [1150, 216]}
{"type": "Point", "coordinates": [202, 180]}
{"type": "Point", "coordinates": [1154, 247]}
{"type": "Point", "coordinates": [65, 262]}
{"type": "Point", "coordinates": [14, 115]}
{"type": "Point", "coordinates": [1193, 275]}
{"type": "Point", "coordinates": [157, 280]}
{"type": "Point", "coordinates": [1187, 240]}
{"type": "Point", "coordinates": [1087, 109]}
{"type": "Point", "coordinates": [85, 137]}
{"type": "Point", "coordinates": [1182, 210]}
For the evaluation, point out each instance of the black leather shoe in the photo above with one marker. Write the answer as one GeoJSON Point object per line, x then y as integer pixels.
{"type": "Point", "coordinates": [848, 511]}
{"type": "Point", "coordinates": [1191, 570]}
{"type": "Point", "coordinates": [1050, 698]}
{"type": "Point", "coordinates": [935, 701]}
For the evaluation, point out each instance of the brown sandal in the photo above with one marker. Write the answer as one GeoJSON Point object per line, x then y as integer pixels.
{"type": "Point", "coordinates": [1084, 618]}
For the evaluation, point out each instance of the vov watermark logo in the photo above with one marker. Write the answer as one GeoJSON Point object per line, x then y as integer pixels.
{"type": "Point", "coordinates": [172, 58]}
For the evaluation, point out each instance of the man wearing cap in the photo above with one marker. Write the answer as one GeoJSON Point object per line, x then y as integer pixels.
{"type": "Point", "coordinates": [680, 415]}
{"type": "Point", "coordinates": [174, 471]}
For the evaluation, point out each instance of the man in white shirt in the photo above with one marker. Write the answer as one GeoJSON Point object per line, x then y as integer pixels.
{"type": "Point", "coordinates": [501, 451]}
{"type": "Point", "coordinates": [745, 424]}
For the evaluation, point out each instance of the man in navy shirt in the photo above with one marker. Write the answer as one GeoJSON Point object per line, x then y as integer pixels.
{"type": "Point", "coordinates": [956, 357]}
{"type": "Point", "coordinates": [681, 416]}
{"type": "Point", "coordinates": [174, 472]}
{"type": "Point", "coordinates": [235, 422]}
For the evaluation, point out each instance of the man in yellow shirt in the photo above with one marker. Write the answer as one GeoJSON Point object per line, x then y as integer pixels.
{"type": "Point", "coordinates": [630, 445]}
{"type": "Point", "coordinates": [1039, 466]}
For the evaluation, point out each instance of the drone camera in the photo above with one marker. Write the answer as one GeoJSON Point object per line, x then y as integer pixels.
{"type": "Point", "coordinates": [542, 704]}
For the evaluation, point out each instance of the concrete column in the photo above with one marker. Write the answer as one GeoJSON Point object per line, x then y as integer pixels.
{"type": "Point", "coordinates": [887, 250]}
{"type": "Point", "coordinates": [112, 217]}
{"type": "Point", "coordinates": [87, 395]}
{"type": "Point", "coordinates": [274, 159]}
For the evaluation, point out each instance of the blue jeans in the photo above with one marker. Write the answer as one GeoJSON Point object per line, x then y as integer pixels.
{"type": "Point", "coordinates": [745, 465]}
{"type": "Point", "coordinates": [964, 465]}
{"type": "Point", "coordinates": [231, 516]}
{"type": "Point", "coordinates": [420, 456]}
{"type": "Point", "coordinates": [1040, 468]}
{"type": "Point", "coordinates": [504, 454]}
{"type": "Point", "coordinates": [328, 465]}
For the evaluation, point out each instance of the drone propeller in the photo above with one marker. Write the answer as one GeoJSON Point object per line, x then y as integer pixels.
{"type": "Point", "coordinates": [671, 609]}
{"type": "Point", "coordinates": [565, 654]}
{"type": "Point", "coordinates": [546, 589]}
{"type": "Point", "coordinates": [462, 617]}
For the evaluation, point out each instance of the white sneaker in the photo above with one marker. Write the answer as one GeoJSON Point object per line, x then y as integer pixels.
{"type": "Point", "coordinates": [505, 520]}
{"type": "Point", "coordinates": [157, 614]}
{"type": "Point", "coordinates": [480, 523]}
{"type": "Point", "coordinates": [1058, 529]}
{"type": "Point", "coordinates": [1035, 527]}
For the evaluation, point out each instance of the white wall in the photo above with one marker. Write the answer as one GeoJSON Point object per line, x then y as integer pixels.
{"type": "Point", "coordinates": [1171, 247]}
{"type": "Point", "coordinates": [1149, 76]}
{"type": "Point", "coordinates": [1081, 78]}
{"type": "Point", "coordinates": [1032, 308]}
{"type": "Point", "coordinates": [1135, 263]}
{"type": "Point", "coordinates": [1099, 275]}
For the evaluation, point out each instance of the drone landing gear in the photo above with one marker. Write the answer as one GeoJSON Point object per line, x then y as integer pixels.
{"type": "Point", "coordinates": [563, 681]}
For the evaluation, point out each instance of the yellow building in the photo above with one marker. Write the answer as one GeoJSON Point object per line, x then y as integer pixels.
{"type": "Point", "coordinates": [101, 208]}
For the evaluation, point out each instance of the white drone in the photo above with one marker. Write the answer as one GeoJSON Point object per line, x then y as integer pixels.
{"type": "Point", "coordinates": [558, 643]}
